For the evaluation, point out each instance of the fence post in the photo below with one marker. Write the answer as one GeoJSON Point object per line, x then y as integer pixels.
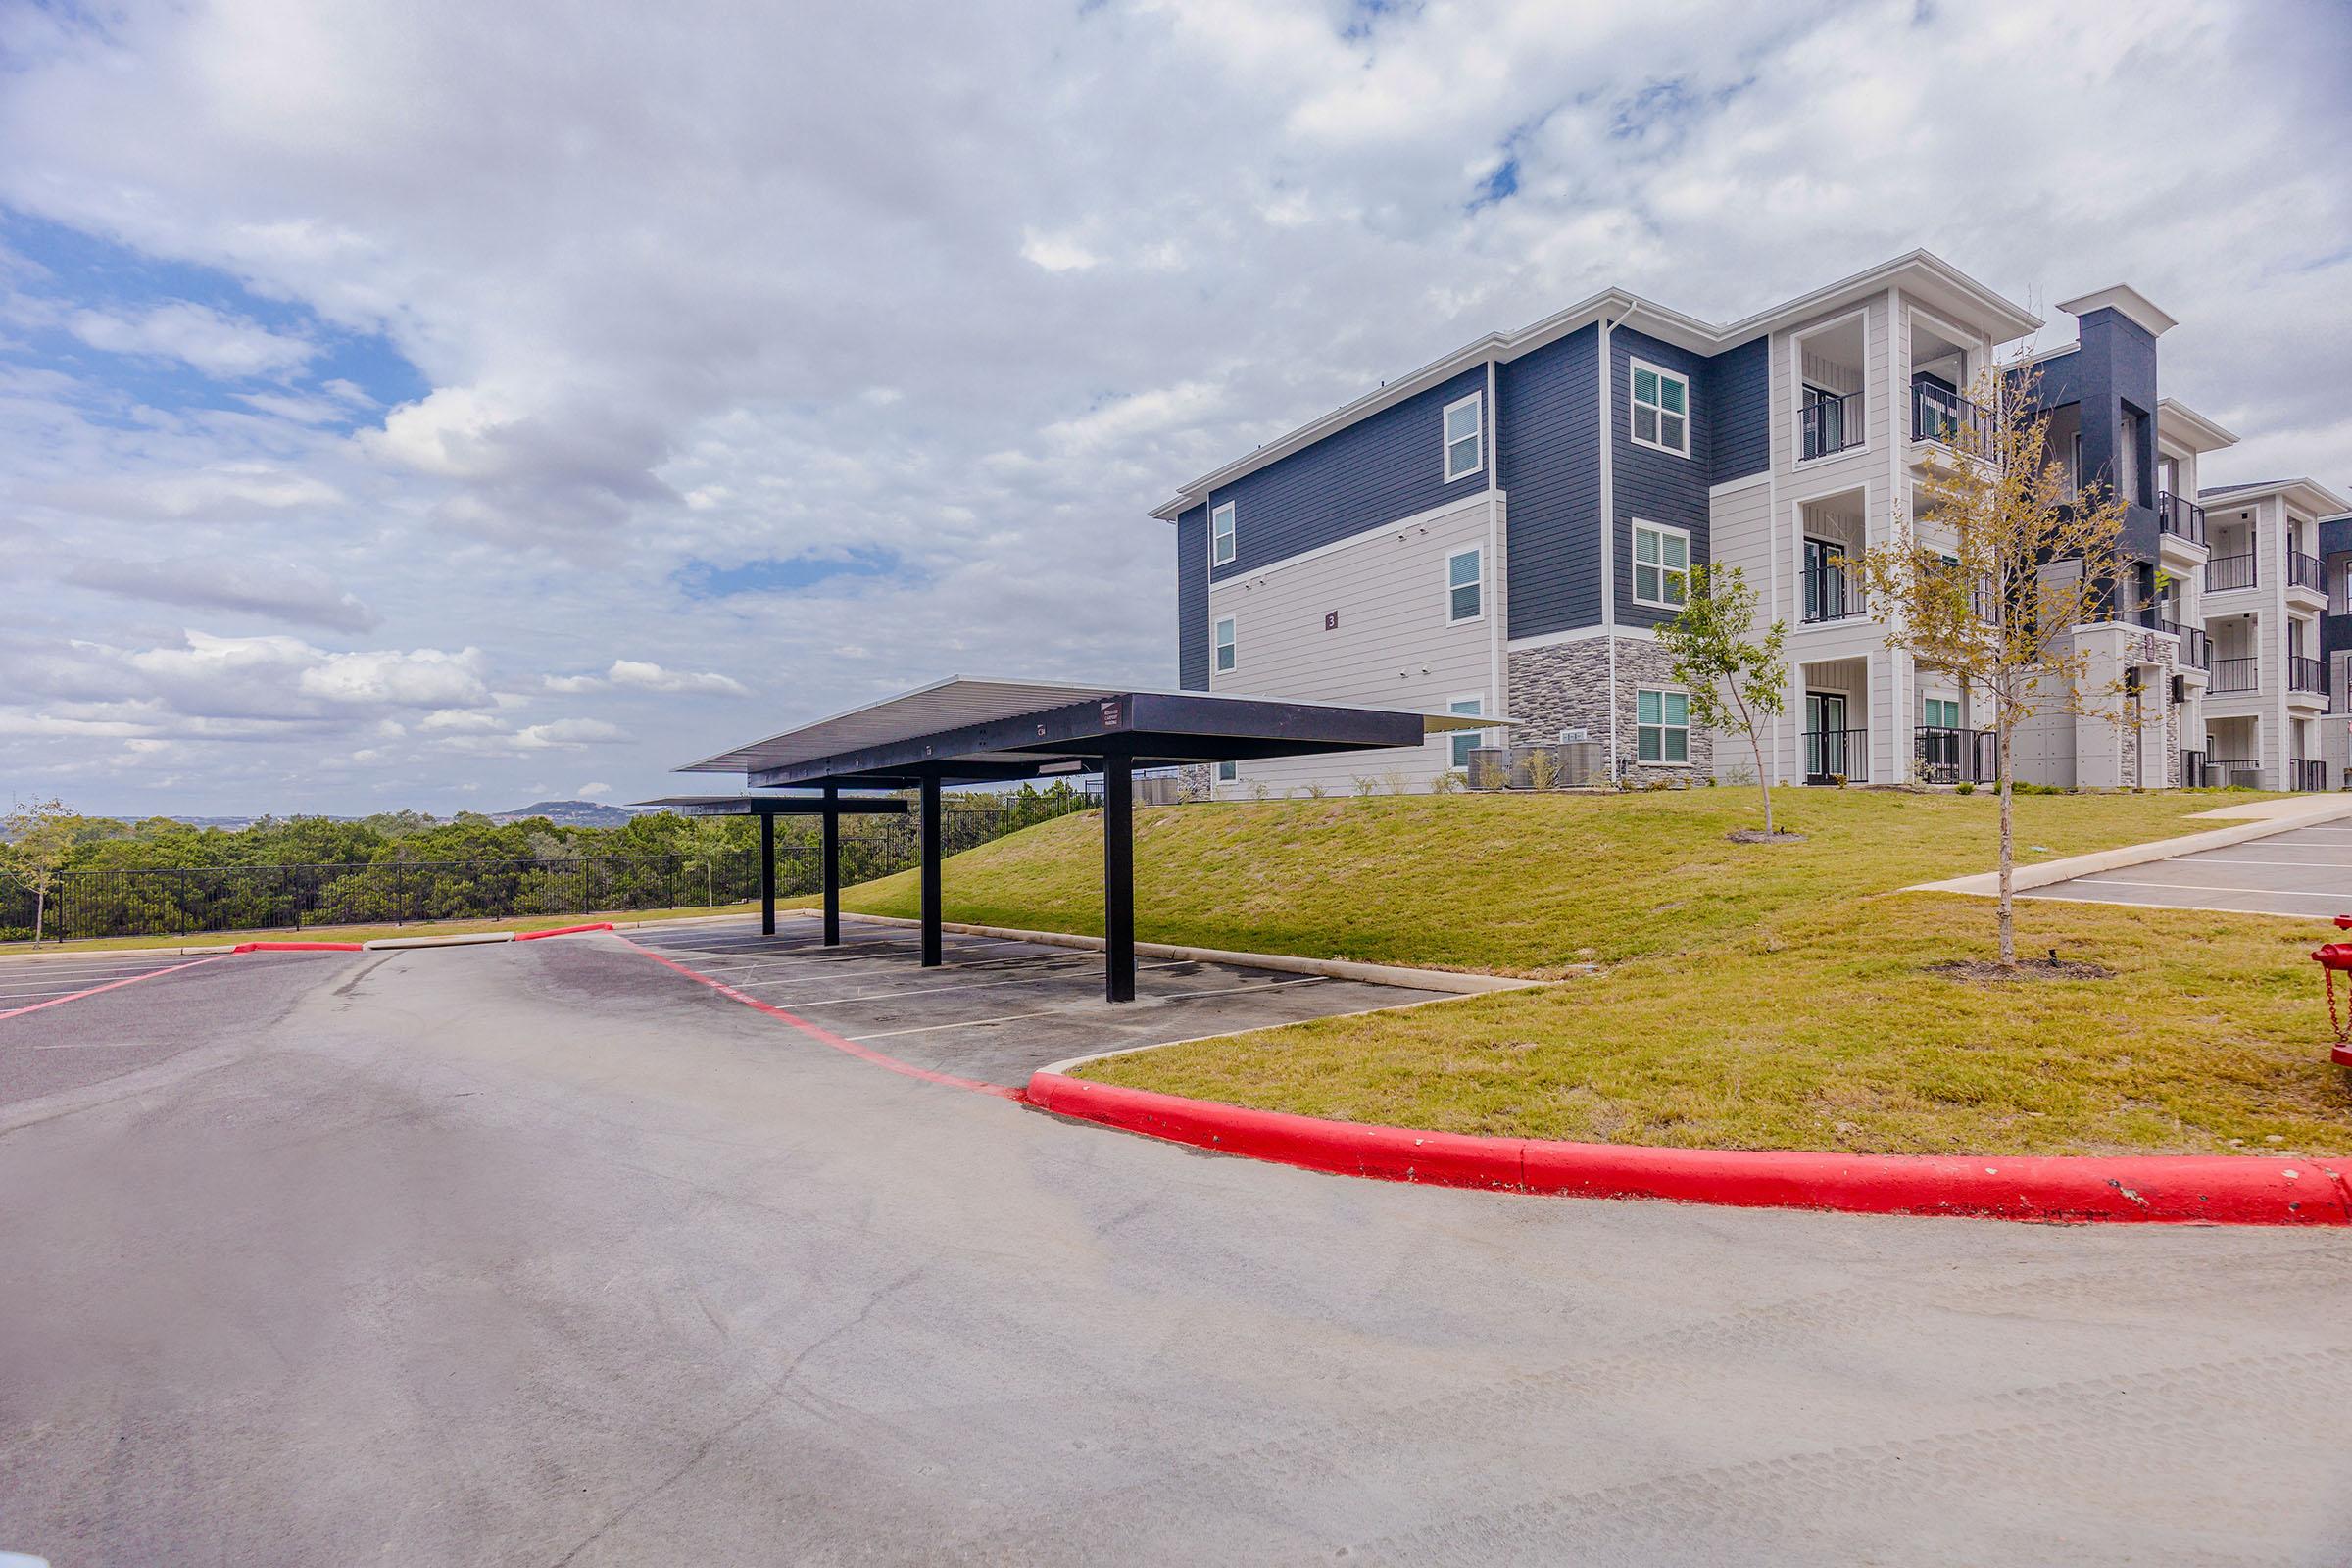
{"type": "Point", "coordinates": [584, 884]}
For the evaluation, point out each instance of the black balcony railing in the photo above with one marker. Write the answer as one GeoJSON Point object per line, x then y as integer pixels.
{"type": "Point", "coordinates": [2235, 675]}
{"type": "Point", "coordinates": [2181, 516]}
{"type": "Point", "coordinates": [1949, 418]}
{"type": "Point", "coordinates": [2306, 774]}
{"type": "Point", "coordinates": [2192, 769]}
{"type": "Point", "coordinates": [2196, 649]}
{"type": "Point", "coordinates": [1955, 756]}
{"type": "Point", "coordinates": [1831, 593]}
{"type": "Point", "coordinates": [2306, 675]}
{"type": "Point", "coordinates": [2223, 771]}
{"type": "Point", "coordinates": [2225, 573]}
{"type": "Point", "coordinates": [1837, 756]}
{"type": "Point", "coordinates": [1829, 424]}
{"type": "Point", "coordinates": [2306, 571]}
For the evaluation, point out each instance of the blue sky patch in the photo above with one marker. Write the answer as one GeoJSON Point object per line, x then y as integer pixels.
{"type": "Point", "coordinates": [703, 579]}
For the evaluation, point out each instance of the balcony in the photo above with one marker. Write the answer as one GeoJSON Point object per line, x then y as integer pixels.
{"type": "Point", "coordinates": [2223, 574]}
{"type": "Point", "coordinates": [1831, 593]}
{"type": "Point", "coordinates": [1949, 418]}
{"type": "Point", "coordinates": [2306, 571]}
{"type": "Point", "coordinates": [2235, 675]}
{"type": "Point", "coordinates": [2192, 769]}
{"type": "Point", "coordinates": [2306, 674]}
{"type": "Point", "coordinates": [2220, 772]}
{"type": "Point", "coordinates": [1956, 756]}
{"type": "Point", "coordinates": [2306, 774]}
{"type": "Point", "coordinates": [2179, 517]}
{"type": "Point", "coordinates": [1837, 756]}
{"type": "Point", "coordinates": [2196, 649]}
{"type": "Point", "coordinates": [1829, 424]}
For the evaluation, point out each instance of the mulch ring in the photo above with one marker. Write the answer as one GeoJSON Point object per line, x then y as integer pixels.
{"type": "Point", "coordinates": [1756, 835]}
{"type": "Point", "coordinates": [1986, 971]}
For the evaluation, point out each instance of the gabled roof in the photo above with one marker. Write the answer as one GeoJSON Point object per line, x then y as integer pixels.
{"type": "Point", "coordinates": [2191, 429]}
{"type": "Point", "coordinates": [1926, 274]}
{"type": "Point", "coordinates": [2310, 495]}
{"type": "Point", "coordinates": [2127, 302]}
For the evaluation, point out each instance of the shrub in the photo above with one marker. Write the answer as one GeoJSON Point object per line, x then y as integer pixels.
{"type": "Point", "coordinates": [1542, 771]}
{"type": "Point", "coordinates": [1964, 787]}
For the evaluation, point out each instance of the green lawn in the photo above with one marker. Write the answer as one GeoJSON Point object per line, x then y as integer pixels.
{"type": "Point", "coordinates": [1750, 996]}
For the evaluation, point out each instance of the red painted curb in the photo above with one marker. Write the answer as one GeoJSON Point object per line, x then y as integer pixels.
{"type": "Point", "coordinates": [563, 931]}
{"type": "Point", "coordinates": [2176, 1188]}
{"type": "Point", "coordinates": [298, 946]}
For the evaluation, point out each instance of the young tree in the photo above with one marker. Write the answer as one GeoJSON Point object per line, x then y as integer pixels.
{"type": "Point", "coordinates": [1737, 680]}
{"type": "Point", "coordinates": [707, 839]}
{"type": "Point", "coordinates": [2007, 556]}
{"type": "Point", "coordinates": [40, 838]}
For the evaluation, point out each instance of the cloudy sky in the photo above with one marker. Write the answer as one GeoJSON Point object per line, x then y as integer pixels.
{"type": "Point", "coordinates": [448, 405]}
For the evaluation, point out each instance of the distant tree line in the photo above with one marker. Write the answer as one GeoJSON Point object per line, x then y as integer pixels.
{"type": "Point", "coordinates": [87, 876]}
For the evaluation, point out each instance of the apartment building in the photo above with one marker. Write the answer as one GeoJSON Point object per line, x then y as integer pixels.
{"type": "Point", "coordinates": [1502, 531]}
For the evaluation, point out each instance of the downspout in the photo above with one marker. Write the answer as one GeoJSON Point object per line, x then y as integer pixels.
{"type": "Point", "coordinates": [1495, 568]}
{"type": "Point", "coordinates": [1608, 536]}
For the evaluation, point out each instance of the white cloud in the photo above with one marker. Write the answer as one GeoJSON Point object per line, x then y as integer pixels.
{"type": "Point", "coordinates": [641, 674]}
{"type": "Point", "coordinates": [593, 792]}
{"type": "Point", "coordinates": [219, 345]}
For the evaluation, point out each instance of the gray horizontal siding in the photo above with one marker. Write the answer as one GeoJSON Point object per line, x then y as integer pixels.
{"type": "Point", "coordinates": [1376, 470]}
{"type": "Point", "coordinates": [1192, 600]}
{"type": "Point", "coordinates": [1737, 388]}
{"type": "Point", "coordinates": [1550, 441]}
{"type": "Point", "coordinates": [1656, 486]}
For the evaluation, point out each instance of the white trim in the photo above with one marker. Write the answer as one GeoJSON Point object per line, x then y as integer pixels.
{"type": "Point", "coordinates": [1634, 527]}
{"type": "Point", "coordinates": [1447, 439]}
{"type": "Point", "coordinates": [1446, 570]}
{"type": "Point", "coordinates": [1744, 482]}
{"type": "Point", "coordinates": [1634, 404]}
{"type": "Point", "coordinates": [1419, 519]}
{"type": "Point", "coordinates": [1605, 353]}
{"type": "Point", "coordinates": [1217, 641]}
{"type": "Point", "coordinates": [1232, 535]}
{"type": "Point", "coordinates": [1796, 387]}
{"type": "Point", "coordinates": [1686, 726]}
{"type": "Point", "coordinates": [1447, 737]}
{"type": "Point", "coordinates": [1497, 680]}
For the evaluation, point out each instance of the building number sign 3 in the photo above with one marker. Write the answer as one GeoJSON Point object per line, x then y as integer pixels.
{"type": "Point", "coordinates": [1331, 620]}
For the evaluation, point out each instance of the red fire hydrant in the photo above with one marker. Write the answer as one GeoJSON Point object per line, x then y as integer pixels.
{"type": "Point", "coordinates": [2332, 958]}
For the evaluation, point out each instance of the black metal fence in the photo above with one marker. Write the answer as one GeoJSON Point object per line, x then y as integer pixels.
{"type": "Point", "coordinates": [182, 901]}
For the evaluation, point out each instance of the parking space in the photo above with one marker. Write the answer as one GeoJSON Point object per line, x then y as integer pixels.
{"type": "Point", "coordinates": [30, 983]}
{"type": "Point", "coordinates": [997, 1008]}
{"type": "Point", "coordinates": [2304, 871]}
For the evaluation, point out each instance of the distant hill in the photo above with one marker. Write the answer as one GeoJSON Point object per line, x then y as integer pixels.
{"type": "Point", "coordinates": [569, 813]}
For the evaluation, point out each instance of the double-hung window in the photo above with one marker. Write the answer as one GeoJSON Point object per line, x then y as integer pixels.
{"type": "Point", "coordinates": [1220, 536]}
{"type": "Point", "coordinates": [1661, 565]}
{"type": "Point", "coordinates": [1465, 587]}
{"type": "Point", "coordinates": [1661, 410]}
{"type": "Point", "coordinates": [1463, 454]}
{"type": "Point", "coordinates": [1662, 726]}
{"type": "Point", "coordinates": [1228, 652]}
{"type": "Point", "coordinates": [1460, 743]}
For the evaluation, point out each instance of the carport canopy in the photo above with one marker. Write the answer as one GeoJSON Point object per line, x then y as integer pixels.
{"type": "Point", "coordinates": [967, 730]}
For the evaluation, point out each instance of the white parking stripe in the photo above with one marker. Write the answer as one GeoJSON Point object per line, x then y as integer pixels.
{"type": "Point", "coordinates": [1051, 1013]}
{"type": "Point", "coordinates": [2201, 887]}
{"type": "Point", "coordinates": [924, 990]}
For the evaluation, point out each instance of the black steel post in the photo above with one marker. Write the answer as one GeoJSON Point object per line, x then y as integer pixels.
{"type": "Point", "coordinates": [1118, 878]}
{"type": "Point", "coordinates": [930, 874]}
{"type": "Point", "coordinates": [831, 872]}
{"type": "Point", "coordinates": [768, 873]}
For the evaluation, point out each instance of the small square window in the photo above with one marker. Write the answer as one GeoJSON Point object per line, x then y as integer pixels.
{"type": "Point", "coordinates": [1463, 448]}
{"type": "Point", "coordinates": [1662, 726]}
{"type": "Point", "coordinates": [1220, 532]}
{"type": "Point", "coordinates": [1228, 653]}
{"type": "Point", "coordinates": [1228, 773]}
{"type": "Point", "coordinates": [1661, 410]}
{"type": "Point", "coordinates": [1461, 743]}
{"type": "Point", "coordinates": [1464, 585]}
{"type": "Point", "coordinates": [1661, 566]}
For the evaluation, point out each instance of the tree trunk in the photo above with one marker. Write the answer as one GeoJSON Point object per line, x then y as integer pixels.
{"type": "Point", "coordinates": [2008, 915]}
{"type": "Point", "coordinates": [1763, 776]}
{"type": "Point", "coordinates": [41, 898]}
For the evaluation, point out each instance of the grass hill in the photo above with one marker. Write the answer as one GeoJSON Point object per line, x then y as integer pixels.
{"type": "Point", "coordinates": [1748, 996]}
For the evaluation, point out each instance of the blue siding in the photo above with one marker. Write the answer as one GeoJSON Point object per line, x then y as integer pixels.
{"type": "Point", "coordinates": [1376, 470]}
{"type": "Point", "coordinates": [2115, 365]}
{"type": "Point", "coordinates": [1549, 439]}
{"type": "Point", "coordinates": [1192, 600]}
{"type": "Point", "coordinates": [1656, 486]}
{"type": "Point", "coordinates": [1738, 390]}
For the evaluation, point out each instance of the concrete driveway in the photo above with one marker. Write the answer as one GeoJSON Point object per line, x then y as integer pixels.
{"type": "Point", "coordinates": [2304, 871]}
{"type": "Point", "coordinates": [548, 1254]}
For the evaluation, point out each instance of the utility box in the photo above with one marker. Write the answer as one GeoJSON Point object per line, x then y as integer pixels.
{"type": "Point", "coordinates": [1573, 764]}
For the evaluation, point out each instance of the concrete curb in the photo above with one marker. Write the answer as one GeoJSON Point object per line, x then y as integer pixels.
{"type": "Point", "coordinates": [1987, 884]}
{"type": "Point", "coordinates": [1380, 974]}
{"type": "Point", "coordinates": [2174, 1189]}
{"type": "Point", "coordinates": [267, 946]}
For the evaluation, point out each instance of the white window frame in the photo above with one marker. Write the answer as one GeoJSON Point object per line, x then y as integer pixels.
{"type": "Point", "coordinates": [1229, 772]}
{"type": "Point", "coordinates": [1689, 408]}
{"type": "Point", "coordinates": [1223, 546]}
{"type": "Point", "coordinates": [1476, 401]}
{"type": "Point", "coordinates": [1453, 738]}
{"type": "Point", "coordinates": [1632, 545]}
{"type": "Point", "coordinates": [1686, 726]}
{"type": "Point", "coordinates": [1925, 697]}
{"type": "Point", "coordinates": [1224, 633]}
{"type": "Point", "coordinates": [1479, 583]}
